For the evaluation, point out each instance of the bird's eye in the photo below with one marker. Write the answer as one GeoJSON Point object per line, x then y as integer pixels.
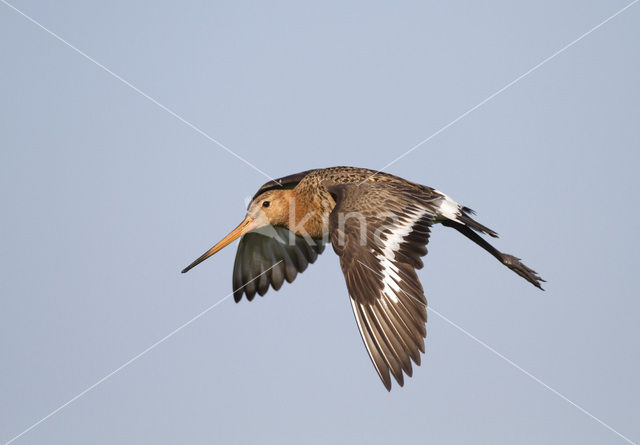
{"type": "Point", "coordinates": [266, 204]}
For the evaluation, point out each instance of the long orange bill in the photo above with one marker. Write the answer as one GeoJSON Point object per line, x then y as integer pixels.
{"type": "Point", "coordinates": [245, 226]}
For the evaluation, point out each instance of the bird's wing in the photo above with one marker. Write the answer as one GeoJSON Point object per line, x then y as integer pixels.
{"type": "Point", "coordinates": [275, 250]}
{"type": "Point", "coordinates": [380, 232]}
{"type": "Point", "coordinates": [286, 182]}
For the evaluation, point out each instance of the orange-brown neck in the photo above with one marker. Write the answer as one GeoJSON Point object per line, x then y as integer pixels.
{"type": "Point", "coordinates": [307, 212]}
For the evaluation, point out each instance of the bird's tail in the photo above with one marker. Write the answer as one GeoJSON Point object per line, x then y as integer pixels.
{"type": "Point", "coordinates": [458, 217]}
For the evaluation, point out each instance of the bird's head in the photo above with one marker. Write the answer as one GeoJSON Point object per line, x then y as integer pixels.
{"type": "Point", "coordinates": [269, 208]}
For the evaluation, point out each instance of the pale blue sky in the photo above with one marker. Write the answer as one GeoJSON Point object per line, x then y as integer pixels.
{"type": "Point", "coordinates": [106, 197]}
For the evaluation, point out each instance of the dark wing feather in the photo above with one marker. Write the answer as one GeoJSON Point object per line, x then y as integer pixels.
{"type": "Point", "coordinates": [379, 253]}
{"type": "Point", "coordinates": [287, 182]}
{"type": "Point", "coordinates": [267, 248]}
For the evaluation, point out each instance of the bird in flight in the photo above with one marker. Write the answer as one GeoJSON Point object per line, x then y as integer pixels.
{"type": "Point", "coordinates": [379, 225]}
